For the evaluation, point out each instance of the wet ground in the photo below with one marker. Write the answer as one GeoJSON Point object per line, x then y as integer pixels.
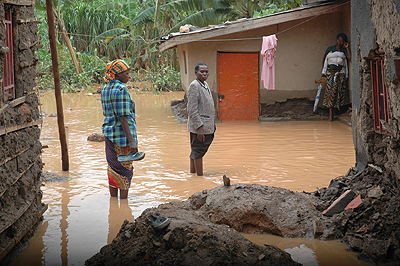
{"type": "Point", "coordinates": [82, 218]}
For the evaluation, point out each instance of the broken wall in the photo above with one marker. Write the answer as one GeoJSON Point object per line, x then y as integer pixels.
{"type": "Point", "coordinates": [375, 26]}
{"type": "Point", "coordinates": [20, 149]}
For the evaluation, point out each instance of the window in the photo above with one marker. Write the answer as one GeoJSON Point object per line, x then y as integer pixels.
{"type": "Point", "coordinates": [379, 95]}
{"type": "Point", "coordinates": [8, 75]}
{"type": "Point", "coordinates": [184, 61]}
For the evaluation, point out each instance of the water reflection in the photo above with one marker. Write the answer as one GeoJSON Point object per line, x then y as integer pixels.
{"type": "Point", "coordinates": [311, 252]}
{"type": "Point", "coordinates": [119, 211]}
{"type": "Point", "coordinates": [82, 218]}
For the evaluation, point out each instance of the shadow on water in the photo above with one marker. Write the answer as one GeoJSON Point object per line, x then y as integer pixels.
{"type": "Point", "coordinates": [82, 218]}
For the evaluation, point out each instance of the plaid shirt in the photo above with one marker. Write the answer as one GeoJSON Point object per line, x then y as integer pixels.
{"type": "Point", "coordinates": [117, 101]}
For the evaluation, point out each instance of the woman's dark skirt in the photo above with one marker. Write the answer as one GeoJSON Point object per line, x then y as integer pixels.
{"type": "Point", "coordinates": [199, 148]}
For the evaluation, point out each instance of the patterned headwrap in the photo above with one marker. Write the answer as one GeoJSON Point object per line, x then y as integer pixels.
{"type": "Point", "coordinates": [115, 67]}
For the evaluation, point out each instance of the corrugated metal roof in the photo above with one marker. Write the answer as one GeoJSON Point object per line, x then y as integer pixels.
{"type": "Point", "coordinates": [172, 40]}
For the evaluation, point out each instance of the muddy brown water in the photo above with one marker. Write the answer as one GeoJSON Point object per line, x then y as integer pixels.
{"type": "Point", "coordinates": [81, 218]}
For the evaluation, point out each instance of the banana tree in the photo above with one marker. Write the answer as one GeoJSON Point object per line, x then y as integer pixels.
{"type": "Point", "coordinates": [156, 18]}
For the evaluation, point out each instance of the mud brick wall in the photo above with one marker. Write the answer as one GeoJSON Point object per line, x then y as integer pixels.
{"type": "Point", "coordinates": [2, 47]}
{"type": "Point", "coordinates": [21, 166]}
{"type": "Point", "coordinates": [373, 32]}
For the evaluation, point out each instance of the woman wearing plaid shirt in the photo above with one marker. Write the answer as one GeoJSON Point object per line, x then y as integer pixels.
{"type": "Point", "coordinates": [119, 127]}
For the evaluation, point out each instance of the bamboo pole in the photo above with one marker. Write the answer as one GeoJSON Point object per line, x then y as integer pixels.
{"type": "Point", "coordinates": [57, 86]}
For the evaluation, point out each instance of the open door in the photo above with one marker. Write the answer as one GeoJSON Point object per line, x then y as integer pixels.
{"type": "Point", "coordinates": [238, 86]}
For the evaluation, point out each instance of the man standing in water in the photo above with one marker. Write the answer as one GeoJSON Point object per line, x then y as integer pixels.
{"type": "Point", "coordinates": [201, 121]}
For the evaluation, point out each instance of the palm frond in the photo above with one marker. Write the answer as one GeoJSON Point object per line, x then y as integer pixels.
{"type": "Point", "coordinates": [109, 33]}
{"type": "Point", "coordinates": [145, 14]}
{"type": "Point", "coordinates": [118, 39]}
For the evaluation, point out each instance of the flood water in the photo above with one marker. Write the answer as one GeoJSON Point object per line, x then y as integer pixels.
{"type": "Point", "coordinates": [81, 217]}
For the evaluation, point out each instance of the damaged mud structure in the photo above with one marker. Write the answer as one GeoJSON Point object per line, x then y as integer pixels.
{"type": "Point", "coordinates": [20, 161]}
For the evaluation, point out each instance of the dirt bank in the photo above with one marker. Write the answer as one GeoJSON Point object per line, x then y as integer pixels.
{"type": "Point", "coordinates": [292, 109]}
{"type": "Point", "coordinates": [203, 232]}
{"type": "Point", "coordinates": [204, 229]}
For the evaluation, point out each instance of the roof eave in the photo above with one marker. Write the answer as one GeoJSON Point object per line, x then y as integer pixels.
{"type": "Point", "coordinates": [255, 23]}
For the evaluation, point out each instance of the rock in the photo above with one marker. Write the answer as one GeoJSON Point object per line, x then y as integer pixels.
{"type": "Point", "coordinates": [339, 204]}
{"type": "Point", "coordinates": [53, 115]}
{"type": "Point", "coordinates": [227, 181]}
{"type": "Point", "coordinates": [96, 137]}
{"type": "Point", "coordinates": [375, 192]}
{"type": "Point", "coordinates": [43, 113]}
{"type": "Point", "coordinates": [336, 183]}
{"type": "Point", "coordinates": [318, 228]}
{"type": "Point", "coordinates": [4, 50]}
{"type": "Point", "coordinates": [49, 177]}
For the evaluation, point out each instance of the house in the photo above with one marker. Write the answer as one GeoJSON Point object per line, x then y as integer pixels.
{"type": "Point", "coordinates": [376, 84]}
{"type": "Point", "coordinates": [21, 204]}
{"type": "Point", "coordinates": [232, 53]}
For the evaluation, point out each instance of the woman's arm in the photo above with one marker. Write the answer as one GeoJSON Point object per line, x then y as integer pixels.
{"type": "Point", "coordinates": [125, 127]}
{"type": "Point", "coordinates": [347, 47]}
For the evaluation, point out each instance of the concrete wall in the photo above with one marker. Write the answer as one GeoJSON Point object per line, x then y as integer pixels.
{"type": "Point", "coordinates": [369, 32]}
{"type": "Point", "coordinates": [20, 149]}
{"type": "Point", "coordinates": [299, 54]}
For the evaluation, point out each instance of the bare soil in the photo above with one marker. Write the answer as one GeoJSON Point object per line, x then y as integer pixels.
{"type": "Point", "coordinates": [302, 109]}
{"type": "Point", "coordinates": [292, 109]}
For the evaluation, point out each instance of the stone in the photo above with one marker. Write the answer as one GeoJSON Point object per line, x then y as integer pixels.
{"type": "Point", "coordinates": [375, 192]}
{"type": "Point", "coordinates": [227, 181]}
{"type": "Point", "coordinates": [96, 137]}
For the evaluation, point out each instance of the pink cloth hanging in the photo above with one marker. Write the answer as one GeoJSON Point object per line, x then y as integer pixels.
{"type": "Point", "coordinates": [268, 53]}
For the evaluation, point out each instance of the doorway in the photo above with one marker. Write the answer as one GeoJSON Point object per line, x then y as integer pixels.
{"type": "Point", "coordinates": [238, 86]}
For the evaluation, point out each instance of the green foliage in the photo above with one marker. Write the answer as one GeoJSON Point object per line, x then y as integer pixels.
{"type": "Point", "coordinates": [103, 30]}
{"type": "Point", "coordinates": [163, 79]}
{"type": "Point", "coordinates": [166, 79]}
{"type": "Point", "coordinates": [274, 6]}
{"type": "Point", "coordinates": [93, 67]}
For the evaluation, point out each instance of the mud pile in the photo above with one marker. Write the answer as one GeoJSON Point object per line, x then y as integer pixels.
{"type": "Point", "coordinates": [204, 229]}
{"type": "Point", "coordinates": [373, 228]}
{"type": "Point", "coordinates": [296, 109]}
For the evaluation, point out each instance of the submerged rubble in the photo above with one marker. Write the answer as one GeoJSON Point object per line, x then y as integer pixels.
{"type": "Point", "coordinates": [373, 228]}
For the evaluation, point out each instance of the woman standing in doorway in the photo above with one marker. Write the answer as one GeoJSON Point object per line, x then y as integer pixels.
{"type": "Point", "coordinates": [119, 127]}
{"type": "Point", "coordinates": [336, 71]}
{"type": "Point", "coordinates": [201, 121]}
